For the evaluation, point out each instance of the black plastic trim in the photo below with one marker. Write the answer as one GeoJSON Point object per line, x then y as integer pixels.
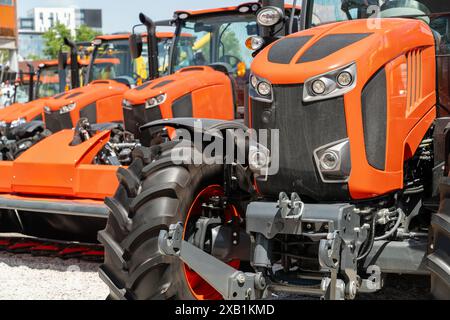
{"type": "Point", "coordinates": [329, 45]}
{"type": "Point", "coordinates": [182, 107]}
{"type": "Point", "coordinates": [73, 95]}
{"type": "Point", "coordinates": [284, 50]}
{"type": "Point", "coordinates": [89, 112]}
{"type": "Point", "coordinates": [374, 113]}
{"type": "Point", "coordinates": [162, 84]}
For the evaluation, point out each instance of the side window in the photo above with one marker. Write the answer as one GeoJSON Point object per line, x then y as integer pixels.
{"type": "Point", "coordinates": [232, 43]}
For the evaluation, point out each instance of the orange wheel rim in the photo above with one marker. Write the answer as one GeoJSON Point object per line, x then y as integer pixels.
{"type": "Point", "coordinates": [200, 289]}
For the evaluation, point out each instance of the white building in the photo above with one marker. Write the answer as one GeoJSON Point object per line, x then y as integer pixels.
{"type": "Point", "coordinates": [42, 19]}
{"type": "Point", "coordinates": [46, 18]}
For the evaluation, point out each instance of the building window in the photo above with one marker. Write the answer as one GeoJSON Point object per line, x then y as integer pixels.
{"type": "Point", "coordinates": [6, 2]}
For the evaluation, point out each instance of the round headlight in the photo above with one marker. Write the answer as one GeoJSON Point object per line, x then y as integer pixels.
{"type": "Point", "coordinates": [244, 9]}
{"type": "Point", "coordinates": [254, 81]}
{"type": "Point", "coordinates": [254, 43]}
{"type": "Point", "coordinates": [269, 16]}
{"type": "Point", "coordinates": [329, 160]}
{"type": "Point", "coordinates": [345, 79]}
{"type": "Point", "coordinates": [264, 88]}
{"type": "Point", "coordinates": [318, 87]}
{"type": "Point", "coordinates": [161, 98]}
{"type": "Point", "coordinates": [183, 16]}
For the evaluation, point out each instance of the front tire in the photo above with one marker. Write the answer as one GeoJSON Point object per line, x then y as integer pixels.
{"type": "Point", "coordinates": [149, 199]}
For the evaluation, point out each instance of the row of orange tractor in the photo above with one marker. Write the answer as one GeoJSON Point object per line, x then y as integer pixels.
{"type": "Point", "coordinates": [252, 150]}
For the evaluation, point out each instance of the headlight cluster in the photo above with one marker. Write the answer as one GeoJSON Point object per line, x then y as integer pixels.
{"type": "Point", "coordinates": [126, 104]}
{"type": "Point", "coordinates": [254, 43]}
{"type": "Point", "coordinates": [269, 16]}
{"type": "Point", "coordinates": [330, 85]}
{"type": "Point", "coordinates": [68, 108]}
{"type": "Point", "coordinates": [155, 101]}
{"type": "Point", "coordinates": [3, 124]}
{"type": "Point", "coordinates": [249, 7]}
{"type": "Point", "coordinates": [260, 89]}
{"type": "Point", "coordinates": [18, 122]}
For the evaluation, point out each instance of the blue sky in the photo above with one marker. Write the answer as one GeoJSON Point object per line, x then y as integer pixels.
{"type": "Point", "coordinates": [120, 15]}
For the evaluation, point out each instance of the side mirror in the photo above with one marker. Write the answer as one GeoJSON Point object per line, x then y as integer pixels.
{"type": "Point", "coordinates": [62, 60]}
{"type": "Point", "coordinates": [136, 45]}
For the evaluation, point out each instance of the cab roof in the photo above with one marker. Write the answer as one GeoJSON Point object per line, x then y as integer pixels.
{"type": "Point", "coordinates": [226, 9]}
{"type": "Point", "coordinates": [125, 36]}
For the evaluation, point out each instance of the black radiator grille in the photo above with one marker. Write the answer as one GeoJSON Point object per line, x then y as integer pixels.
{"type": "Point", "coordinates": [137, 116]}
{"type": "Point", "coordinates": [303, 128]}
{"type": "Point", "coordinates": [55, 121]}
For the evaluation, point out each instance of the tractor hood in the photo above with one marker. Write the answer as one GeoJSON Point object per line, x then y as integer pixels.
{"type": "Point", "coordinates": [29, 111]}
{"type": "Point", "coordinates": [178, 84]}
{"type": "Point", "coordinates": [200, 92]}
{"type": "Point", "coordinates": [363, 86]}
{"type": "Point", "coordinates": [99, 102]}
{"type": "Point", "coordinates": [83, 96]}
{"type": "Point", "coordinates": [319, 50]}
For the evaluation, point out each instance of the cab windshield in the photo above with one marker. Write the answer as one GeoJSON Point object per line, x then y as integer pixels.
{"type": "Point", "coordinates": [206, 40]}
{"type": "Point", "coordinates": [48, 83]}
{"type": "Point", "coordinates": [113, 61]}
{"type": "Point", "coordinates": [22, 93]}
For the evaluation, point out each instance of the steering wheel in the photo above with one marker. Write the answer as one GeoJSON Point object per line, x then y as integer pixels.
{"type": "Point", "coordinates": [233, 61]}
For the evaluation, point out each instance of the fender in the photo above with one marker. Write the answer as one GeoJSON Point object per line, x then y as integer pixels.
{"type": "Point", "coordinates": [27, 128]}
{"type": "Point", "coordinates": [203, 126]}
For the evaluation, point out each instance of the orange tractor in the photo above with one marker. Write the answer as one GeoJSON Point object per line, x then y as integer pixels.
{"type": "Point", "coordinates": [342, 178]}
{"type": "Point", "coordinates": [51, 77]}
{"type": "Point", "coordinates": [23, 125]}
{"type": "Point", "coordinates": [56, 188]}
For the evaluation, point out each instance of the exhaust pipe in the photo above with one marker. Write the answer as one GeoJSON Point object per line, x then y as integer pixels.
{"type": "Point", "coordinates": [74, 70]}
{"type": "Point", "coordinates": [31, 85]}
{"type": "Point", "coordinates": [152, 45]}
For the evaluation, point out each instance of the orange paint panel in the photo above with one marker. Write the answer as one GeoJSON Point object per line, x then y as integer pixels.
{"type": "Point", "coordinates": [214, 101]}
{"type": "Point", "coordinates": [110, 109]}
{"type": "Point", "coordinates": [93, 181]}
{"type": "Point", "coordinates": [6, 174]}
{"type": "Point", "coordinates": [8, 20]}
{"type": "Point", "coordinates": [41, 170]}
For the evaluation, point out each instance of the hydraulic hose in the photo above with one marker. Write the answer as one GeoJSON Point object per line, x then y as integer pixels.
{"type": "Point", "coordinates": [401, 216]}
{"type": "Point", "coordinates": [369, 245]}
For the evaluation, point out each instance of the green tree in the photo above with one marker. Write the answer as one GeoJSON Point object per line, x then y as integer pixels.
{"type": "Point", "coordinates": [54, 40]}
{"type": "Point", "coordinates": [33, 57]}
{"type": "Point", "coordinates": [85, 34]}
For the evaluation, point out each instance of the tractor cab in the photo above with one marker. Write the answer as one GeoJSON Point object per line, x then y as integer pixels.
{"type": "Point", "coordinates": [208, 70]}
{"type": "Point", "coordinates": [217, 39]}
{"type": "Point", "coordinates": [111, 72]}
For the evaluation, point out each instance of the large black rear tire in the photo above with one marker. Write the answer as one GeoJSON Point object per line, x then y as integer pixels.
{"type": "Point", "coordinates": [149, 199]}
{"type": "Point", "coordinates": [439, 255]}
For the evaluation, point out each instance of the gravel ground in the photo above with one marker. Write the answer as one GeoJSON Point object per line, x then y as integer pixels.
{"type": "Point", "coordinates": [24, 277]}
